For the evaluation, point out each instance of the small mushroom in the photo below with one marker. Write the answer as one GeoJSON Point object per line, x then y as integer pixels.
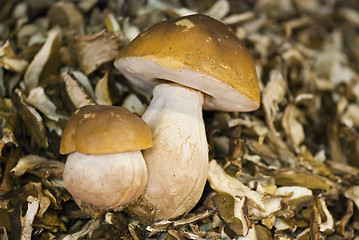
{"type": "Point", "coordinates": [105, 167]}
{"type": "Point", "coordinates": [210, 68]}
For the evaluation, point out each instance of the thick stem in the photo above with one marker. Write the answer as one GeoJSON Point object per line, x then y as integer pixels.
{"type": "Point", "coordinates": [177, 163]}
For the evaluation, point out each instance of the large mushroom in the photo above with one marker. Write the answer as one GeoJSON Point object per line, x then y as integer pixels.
{"type": "Point", "coordinates": [209, 68]}
{"type": "Point", "coordinates": [105, 167]}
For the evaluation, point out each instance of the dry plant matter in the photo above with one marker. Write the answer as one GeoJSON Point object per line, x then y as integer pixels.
{"type": "Point", "coordinates": [289, 170]}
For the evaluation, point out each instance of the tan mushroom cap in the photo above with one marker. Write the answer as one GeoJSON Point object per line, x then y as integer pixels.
{"type": "Point", "coordinates": [102, 129]}
{"type": "Point", "coordinates": [198, 52]}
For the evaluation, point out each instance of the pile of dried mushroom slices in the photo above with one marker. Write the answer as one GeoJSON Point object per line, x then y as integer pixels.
{"type": "Point", "coordinates": [289, 170]}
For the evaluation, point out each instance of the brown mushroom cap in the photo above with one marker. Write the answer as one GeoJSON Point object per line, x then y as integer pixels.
{"type": "Point", "coordinates": [198, 52]}
{"type": "Point", "coordinates": [101, 129]}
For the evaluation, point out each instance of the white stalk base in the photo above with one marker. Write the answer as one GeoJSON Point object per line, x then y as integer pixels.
{"type": "Point", "coordinates": [107, 181]}
{"type": "Point", "coordinates": [177, 163]}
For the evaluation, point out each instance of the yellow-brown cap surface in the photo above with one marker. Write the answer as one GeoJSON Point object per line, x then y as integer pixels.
{"type": "Point", "coordinates": [102, 129]}
{"type": "Point", "coordinates": [201, 53]}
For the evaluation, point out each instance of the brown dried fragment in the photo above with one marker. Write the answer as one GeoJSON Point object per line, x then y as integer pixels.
{"type": "Point", "coordinates": [218, 10]}
{"type": "Point", "coordinates": [87, 229]}
{"type": "Point", "coordinates": [112, 24]}
{"type": "Point", "coordinates": [87, 5]}
{"type": "Point", "coordinates": [85, 82]}
{"type": "Point", "coordinates": [224, 183]}
{"type": "Point", "coordinates": [77, 93]}
{"type": "Point", "coordinates": [67, 58]}
{"type": "Point", "coordinates": [257, 232]}
{"type": "Point", "coordinates": [6, 183]}
{"type": "Point", "coordinates": [67, 16]}
{"type": "Point", "coordinates": [262, 150]}
{"type": "Point", "coordinates": [285, 224]}
{"type": "Point", "coordinates": [38, 166]}
{"type": "Point", "coordinates": [163, 225]}
{"type": "Point", "coordinates": [95, 49]}
{"type": "Point", "coordinates": [45, 62]}
{"type": "Point", "coordinates": [10, 61]}
{"type": "Point", "coordinates": [274, 8]}
{"type": "Point", "coordinates": [102, 91]}
{"type": "Point", "coordinates": [36, 191]}
{"type": "Point", "coordinates": [38, 99]}
{"type": "Point", "coordinates": [173, 234]}
{"type": "Point", "coordinates": [27, 220]}
{"type": "Point", "coordinates": [296, 23]}
{"type": "Point", "coordinates": [8, 123]}
{"type": "Point", "coordinates": [50, 221]}
{"type": "Point", "coordinates": [349, 14]}
{"type": "Point", "coordinates": [3, 231]}
{"type": "Point", "coordinates": [315, 163]}
{"type": "Point", "coordinates": [234, 211]}
{"type": "Point", "coordinates": [238, 17]}
{"type": "Point", "coordinates": [353, 194]}
{"type": "Point", "coordinates": [31, 118]}
{"type": "Point", "coordinates": [351, 116]}
{"type": "Point", "coordinates": [304, 179]}
{"type": "Point", "coordinates": [183, 234]}
{"type": "Point", "coordinates": [296, 197]}
{"type": "Point", "coordinates": [260, 204]}
{"type": "Point", "coordinates": [335, 147]}
{"type": "Point", "coordinates": [5, 221]}
{"type": "Point", "coordinates": [273, 95]}
{"type": "Point", "coordinates": [309, 127]}
{"type": "Point", "coordinates": [344, 221]}
{"type": "Point", "coordinates": [134, 104]}
{"type": "Point", "coordinates": [342, 169]}
{"type": "Point", "coordinates": [314, 224]}
{"type": "Point", "coordinates": [326, 224]}
{"type": "Point", "coordinates": [304, 235]}
{"type": "Point", "coordinates": [292, 125]}
{"type": "Point", "coordinates": [132, 227]}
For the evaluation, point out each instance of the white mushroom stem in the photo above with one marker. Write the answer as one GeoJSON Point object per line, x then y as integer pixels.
{"type": "Point", "coordinates": [110, 180]}
{"type": "Point", "coordinates": [177, 163]}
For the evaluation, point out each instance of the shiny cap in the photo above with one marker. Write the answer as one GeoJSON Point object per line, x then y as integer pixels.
{"type": "Point", "coordinates": [103, 129]}
{"type": "Point", "coordinates": [196, 51]}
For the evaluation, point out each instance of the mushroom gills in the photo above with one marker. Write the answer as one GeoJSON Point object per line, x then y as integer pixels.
{"type": "Point", "coordinates": [219, 96]}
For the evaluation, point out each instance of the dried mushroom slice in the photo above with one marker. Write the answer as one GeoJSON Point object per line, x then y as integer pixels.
{"type": "Point", "coordinates": [308, 180]}
{"type": "Point", "coordinates": [84, 81]}
{"type": "Point", "coordinates": [353, 194]}
{"type": "Point", "coordinates": [259, 204]}
{"type": "Point", "coordinates": [102, 91]}
{"type": "Point", "coordinates": [67, 16]}
{"type": "Point", "coordinates": [134, 104]}
{"type": "Point", "coordinates": [112, 24]}
{"type": "Point", "coordinates": [38, 98]}
{"type": "Point", "coordinates": [292, 125]}
{"type": "Point", "coordinates": [11, 157]}
{"type": "Point", "coordinates": [10, 61]}
{"type": "Point", "coordinates": [45, 62]}
{"type": "Point", "coordinates": [31, 118]}
{"type": "Point", "coordinates": [38, 166]}
{"type": "Point", "coordinates": [95, 49]}
{"type": "Point", "coordinates": [234, 211]}
{"type": "Point", "coordinates": [8, 123]}
{"type": "Point", "coordinates": [76, 91]}
{"type": "Point", "coordinates": [296, 196]}
{"type": "Point", "coordinates": [326, 223]}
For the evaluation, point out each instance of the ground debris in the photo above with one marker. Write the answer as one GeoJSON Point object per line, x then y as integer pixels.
{"type": "Point", "coordinates": [289, 170]}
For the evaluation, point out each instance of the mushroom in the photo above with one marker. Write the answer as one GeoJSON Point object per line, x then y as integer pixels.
{"type": "Point", "coordinates": [105, 167]}
{"type": "Point", "coordinates": [209, 68]}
